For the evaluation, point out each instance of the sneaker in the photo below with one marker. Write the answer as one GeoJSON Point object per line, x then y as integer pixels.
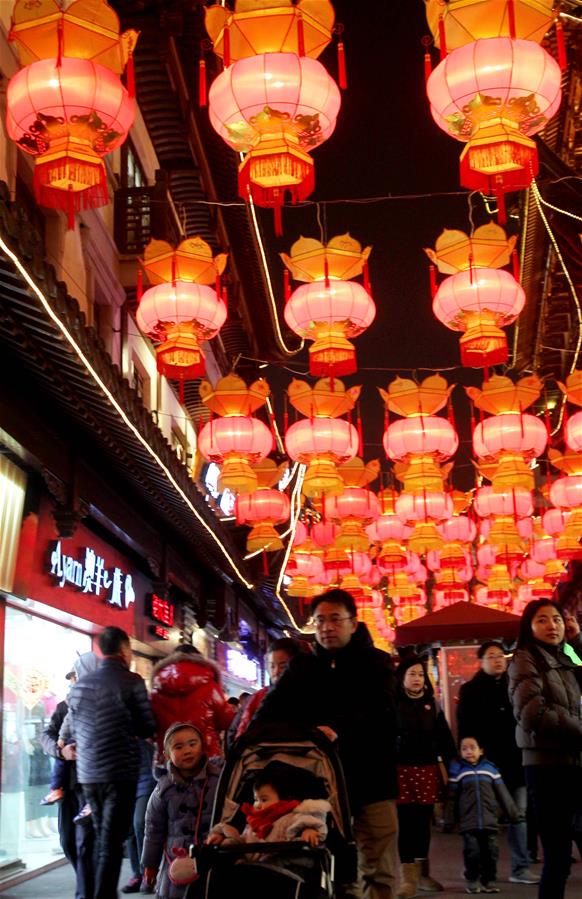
{"type": "Point", "coordinates": [524, 876]}
{"type": "Point", "coordinates": [132, 885]}
{"type": "Point", "coordinates": [84, 815]}
{"type": "Point", "coordinates": [52, 797]}
{"type": "Point", "coordinates": [473, 887]}
{"type": "Point", "coordinates": [489, 888]}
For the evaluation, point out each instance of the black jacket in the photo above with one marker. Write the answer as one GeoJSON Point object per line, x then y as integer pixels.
{"type": "Point", "coordinates": [423, 732]}
{"type": "Point", "coordinates": [48, 741]}
{"type": "Point", "coordinates": [484, 712]}
{"type": "Point", "coordinates": [110, 710]}
{"type": "Point", "coordinates": [475, 792]}
{"type": "Point", "coordinates": [353, 692]}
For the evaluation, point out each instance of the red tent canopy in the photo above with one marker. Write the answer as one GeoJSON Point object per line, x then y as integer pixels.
{"type": "Point", "coordinates": [461, 621]}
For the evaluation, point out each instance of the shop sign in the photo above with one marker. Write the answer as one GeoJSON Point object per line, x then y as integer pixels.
{"type": "Point", "coordinates": [239, 665]}
{"type": "Point", "coordinates": [91, 576]}
{"type": "Point", "coordinates": [161, 611]}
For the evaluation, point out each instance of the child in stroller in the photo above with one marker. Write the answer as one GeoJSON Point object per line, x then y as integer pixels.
{"type": "Point", "coordinates": [302, 855]}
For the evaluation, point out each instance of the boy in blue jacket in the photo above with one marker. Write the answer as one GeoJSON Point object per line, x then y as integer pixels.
{"type": "Point", "coordinates": [476, 790]}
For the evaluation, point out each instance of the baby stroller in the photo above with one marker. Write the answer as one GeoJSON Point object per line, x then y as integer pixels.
{"type": "Point", "coordinates": [290, 870]}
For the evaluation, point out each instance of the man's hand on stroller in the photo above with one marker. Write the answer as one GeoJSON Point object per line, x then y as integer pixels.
{"type": "Point", "coordinates": [215, 839]}
{"type": "Point", "coordinates": [311, 836]}
{"type": "Point", "coordinates": [328, 731]}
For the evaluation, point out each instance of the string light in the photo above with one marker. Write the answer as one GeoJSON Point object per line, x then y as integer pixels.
{"type": "Point", "coordinates": [118, 408]}
{"type": "Point", "coordinates": [295, 509]}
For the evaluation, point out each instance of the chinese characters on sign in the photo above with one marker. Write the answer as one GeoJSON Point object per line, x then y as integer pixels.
{"type": "Point", "coordinates": [91, 576]}
{"type": "Point", "coordinates": [162, 610]}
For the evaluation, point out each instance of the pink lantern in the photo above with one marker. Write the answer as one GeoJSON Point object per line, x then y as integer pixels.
{"type": "Point", "coordinates": [510, 433]}
{"type": "Point", "coordinates": [554, 521]}
{"type": "Point", "coordinates": [573, 433]}
{"type": "Point", "coordinates": [324, 533]}
{"type": "Point", "coordinates": [420, 435]}
{"type": "Point", "coordinates": [530, 570]}
{"type": "Point", "coordinates": [388, 527]}
{"type": "Point", "coordinates": [354, 502]}
{"type": "Point", "coordinates": [424, 507]}
{"type": "Point", "coordinates": [309, 438]}
{"type": "Point", "coordinates": [305, 565]}
{"type": "Point", "coordinates": [543, 549]}
{"type": "Point", "coordinates": [516, 502]}
{"type": "Point", "coordinates": [357, 563]}
{"type": "Point", "coordinates": [300, 535]}
{"type": "Point", "coordinates": [263, 509]}
{"type": "Point", "coordinates": [234, 442]}
{"type": "Point", "coordinates": [459, 529]}
{"type": "Point", "coordinates": [566, 493]}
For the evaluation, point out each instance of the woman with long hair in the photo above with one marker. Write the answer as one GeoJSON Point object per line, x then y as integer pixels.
{"type": "Point", "coordinates": [545, 689]}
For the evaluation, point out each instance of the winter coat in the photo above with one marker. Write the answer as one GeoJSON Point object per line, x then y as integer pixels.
{"type": "Point", "coordinates": [110, 710]}
{"type": "Point", "coordinates": [145, 777]}
{"type": "Point", "coordinates": [188, 688]}
{"type": "Point", "coordinates": [484, 712]}
{"type": "Point", "coordinates": [84, 664]}
{"type": "Point", "coordinates": [544, 688]}
{"type": "Point", "coordinates": [249, 710]}
{"type": "Point", "coordinates": [310, 813]}
{"type": "Point", "coordinates": [48, 741]}
{"type": "Point", "coordinates": [423, 732]}
{"type": "Point", "coordinates": [353, 691]}
{"type": "Point", "coordinates": [171, 817]}
{"type": "Point", "coordinates": [474, 794]}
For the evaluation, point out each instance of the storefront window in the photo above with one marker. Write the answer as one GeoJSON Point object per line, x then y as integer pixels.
{"type": "Point", "coordinates": [38, 655]}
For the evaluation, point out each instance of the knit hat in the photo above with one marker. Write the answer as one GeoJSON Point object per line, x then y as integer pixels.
{"type": "Point", "coordinates": [181, 725]}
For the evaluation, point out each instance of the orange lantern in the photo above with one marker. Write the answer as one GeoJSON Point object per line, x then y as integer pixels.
{"type": "Point", "coordinates": [273, 102]}
{"type": "Point", "coordinates": [329, 309]}
{"type": "Point", "coordinates": [236, 439]}
{"type": "Point", "coordinates": [67, 106]}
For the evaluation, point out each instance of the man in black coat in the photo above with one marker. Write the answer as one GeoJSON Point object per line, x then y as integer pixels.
{"type": "Point", "coordinates": [484, 712]}
{"type": "Point", "coordinates": [347, 689]}
{"type": "Point", "coordinates": [110, 710]}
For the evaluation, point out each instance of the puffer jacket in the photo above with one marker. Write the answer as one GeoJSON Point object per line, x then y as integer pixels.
{"type": "Point", "coordinates": [110, 710]}
{"type": "Point", "coordinates": [187, 688]}
{"type": "Point", "coordinates": [544, 689]}
{"type": "Point", "coordinates": [311, 813]}
{"type": "Point", "coordinates": [474, 794]}
{"type": "Point", "coordinates": [171, 818]}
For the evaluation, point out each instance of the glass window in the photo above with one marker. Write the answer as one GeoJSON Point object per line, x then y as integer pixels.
{"type": "Point", "coordinates": [38, 655]}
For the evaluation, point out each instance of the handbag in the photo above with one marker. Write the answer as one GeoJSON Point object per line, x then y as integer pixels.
{"type": "Point", "coordinates": [183, 868]}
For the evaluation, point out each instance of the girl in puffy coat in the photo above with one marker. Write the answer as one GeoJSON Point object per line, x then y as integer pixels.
{"type": "Point", "coordinates": [180, 808]}
{"type": "Point", "coordinates": [544, 688]}
{"type": "Point", "coordinates": [186, 687]}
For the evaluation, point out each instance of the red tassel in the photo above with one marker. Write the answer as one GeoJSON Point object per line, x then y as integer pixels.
{"type": "Point", "coordinates": [442, 38]}
{"type": "Point", "coordinates": [173, 269]}
{"type": "Point", "coordinates": [70, 210]}
{"type": "Point", "coordinates": [360, 435]}
{"type": "Point", "coordinates": [226, 48]}
{"type": "Point", "coordinates": [427, 65]}
{"type": "Point", "coordinates": [433, 280]}
{"type": "Point", "coordinates": [300, 35]}
{"type": "Point", "coordinates": [561, 42]}
{"type": "Point", "coordinates": [265, 564]}
{"type": "Point", "coordinates": [278, 219]}
{"type": "Point", "coordinates": [139, 282]}
{"type": "Point", "coordinates": [515, 264]}
{"type": "Point", "coordinates": [367, 285]}
{"type": "Point", "coordinates": [130, 76]}
{"type": "Point", "coordinates": [225, 296]}
{"type": "Point", "coordinates": [501, 212]}
{"type": "Point", "coordinates": [202, 91]}
{"type": "Point", "coordinates": [511, 19]}
{"type": "Point", "coordinates": [60, 43]}
{"type": "Point", "coordinates": [285, 414]}
{"type": "Point", "coordinates": [286, 285]}
{"type": "Point", "coordinates": [217, 288]}
{"type": "Point", "coordinates": [326, 273]}
{"type": "Point", "coordinates": [341, 65]}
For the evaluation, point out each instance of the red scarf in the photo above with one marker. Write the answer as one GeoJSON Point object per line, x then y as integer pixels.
{"type": "Point", "coordinates": [261, 820]}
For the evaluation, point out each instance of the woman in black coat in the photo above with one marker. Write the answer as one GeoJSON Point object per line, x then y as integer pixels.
{"type": "Point", "coordinates": [424, 737]}
{"type": "Point", "coordinates": [544, 688]}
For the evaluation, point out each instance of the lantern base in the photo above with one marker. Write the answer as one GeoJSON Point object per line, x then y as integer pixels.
{"type": "Point", "coordinates": [180, 356]}
{"type": "Point", "coordinates": [424, 538]}
{"type": "Point", "coordinates": [322, 478]}
{"type": "Point", "coordinates": [483, 345]}
{"type": "Point", "coordinates": [352, 537]}
{"type": "Point", "coordinates": [512, 471]}
{"type": "Point", "coordinates": [70, 179]}
{"type": "Point", "coordinates": [264, 537]}
{"type": "Point", "coordinates": [237, 475]}
{"type": "Point", "coordinates": [332, 355]}
{"type": "Point", "coordinates": [271, 170]}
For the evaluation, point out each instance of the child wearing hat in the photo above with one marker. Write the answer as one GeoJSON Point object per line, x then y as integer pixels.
{"type": "Point", "coordinates": [180, 808]}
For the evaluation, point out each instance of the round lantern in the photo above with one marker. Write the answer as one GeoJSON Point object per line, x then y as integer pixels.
{"type": "Point", "coordinates": [424, 507]}
{"type": "Point", "coordinates": [235, 442]}
{"type": "Point", "coordinates": [324, 533]}
{"type": "Point", "coordinates": [516, 502]}
{"type": "Point", "coordinates": [275, 108]}
{"type": "Point", "coordinates": [263, 509]}
{"type": "Point", "coordinates": [459, 529]}
{"type": "Point", "coordinates": [573, 433]}
{"type": "Point", "coordinates": [330, 314]}
{"type": "Point", "coordinates": [511, 433]}
{"type": "Point", "coordinates": [320, 443]}
{"type": "Point", "coordinates": [68, 114]}
{"type": "Point", "coordinates": [420, 435]}
{"type": "Point", "coordinates": [480, 302]}
{"type": "Point", "coordinates": [566, 493]}
{"type": "Point", "coordinates": [495, 94]}
{"type": "Point", "coordinates": [354, 508]}
{"type": "Point", "coordinates": [180, 315]}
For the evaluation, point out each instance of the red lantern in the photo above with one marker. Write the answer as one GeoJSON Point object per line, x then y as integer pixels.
{"type": "Point", "coordinates": [511, 433]}
{"type": "Point", "coordinates": [427, 435]}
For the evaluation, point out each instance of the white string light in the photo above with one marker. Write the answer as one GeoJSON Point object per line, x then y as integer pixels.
{"type": "Point", "coordinates": [295, 501]}
{"type": "Point", "coordinates": [118, 408]}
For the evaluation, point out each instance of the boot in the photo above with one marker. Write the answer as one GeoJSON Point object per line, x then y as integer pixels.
{"type": "Point", "coordinates": [426, 883]}
{"type": "Point", "coordinates": [408, 881]}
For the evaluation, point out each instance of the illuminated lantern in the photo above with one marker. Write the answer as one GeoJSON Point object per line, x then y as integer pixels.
{"type": "Point", "coordinates": [181, 309]}
{"type": "Point", "coordinates": [329, 309]}
{"type": "Point", "coordinates": [273, 102]}
{"type": "Point", "coordinates": [356, 506]}
{"type": "Point", "coordinates": [322, 440]}
{"type": "Point", "coordinates": [424, 510]}
{"type": "Point", "coordinates": [423, 435]}
{"type": "Point", "coordinates": [324, 533]}
{"type": "Point", "coordinates": [458, 22]}
{"type": "Point", "coordinates": [236, 439]}
{"type": "Point", "coordinates": [505, 511]}
{"type": "Point", "coordinates": [67, 106]}
{"type": "Point", "coordinates": [495, 94]}
{"type": "Point", "coordinates": [264, 508]}
{"type": "Point", "coordinates": [391, 533]}
{"type": "Point", "coordinates": [498, 590]}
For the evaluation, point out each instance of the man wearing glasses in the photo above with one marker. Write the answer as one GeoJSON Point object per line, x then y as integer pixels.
{"type": "Point", "coordinates": [346, 688]}
{"type": "Point", "coordinates": [485, 712]}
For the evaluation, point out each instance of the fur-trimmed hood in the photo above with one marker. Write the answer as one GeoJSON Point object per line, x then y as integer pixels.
{"type": "Point", "coordinates": [177, 656]}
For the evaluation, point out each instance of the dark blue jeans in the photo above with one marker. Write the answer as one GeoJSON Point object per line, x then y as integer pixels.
{"type": "Point", "coordinates": [480, 852]}
{"type": "Point", "coordinates": [555, 791]}
{"type": "Point", "coordinates": [112, 810]}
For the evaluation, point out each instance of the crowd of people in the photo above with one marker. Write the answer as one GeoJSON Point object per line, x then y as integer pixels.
{"type": "Point", "coordinates": [143, 770]}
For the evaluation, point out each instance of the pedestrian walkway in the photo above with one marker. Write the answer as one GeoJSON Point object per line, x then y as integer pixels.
{"type": "Point", "coordinates": [446, 861]}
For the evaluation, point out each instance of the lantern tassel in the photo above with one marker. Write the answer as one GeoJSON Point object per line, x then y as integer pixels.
{"type": "Point", "coordinates": [426, 42]}
{"type": "Point", "coordinates": [511, 18]}
{"type": "Point", "coordinates": [173, 269]}
{"type": "Point", "coordinates": [300, 35]}
{"type": "Point", "coordinates": [433, 280]}
{"type": "Point", "coordinates": [515, 264]}
{"type": "Point", "coordinates": [217, 288]}
{"type": "Point", "coordinates": [501, 212]}
{"type": "Point", "coordinates": [60, 43]}
{"type": "Point", "coordinates": [70, 210]}
{"type": "Point", "coordinates": [326, 273]}
{"type": "Point", "coordinates": [561, 43]}
{"type": "Point", "coordinates": [265, 563]}
{"type": "Point", "coordinates": [226, 48]}
{"type": "Point", "coordinates": [367, 285]}
{"type": "Point", "coordinates": [130, 76]}
{"type": "Point", "coordinates": [341, 65]}
{"type": "Point", "coordinates": [202, 90]}
{"type": "Point", "coordinates": [360, 434]}
{"type": "Point", "coordinates": [442, 38]}
{"type": "Point", "coordinates": [286, 285]}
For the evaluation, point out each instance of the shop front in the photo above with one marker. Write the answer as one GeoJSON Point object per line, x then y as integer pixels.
{"type": "Point", "coordinates": [64, 591]}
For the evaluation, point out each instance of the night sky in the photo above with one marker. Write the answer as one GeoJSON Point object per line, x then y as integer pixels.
{"type": "Point", "coordinates": [386, 144]}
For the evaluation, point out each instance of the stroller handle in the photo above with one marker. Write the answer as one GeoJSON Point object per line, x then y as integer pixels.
{"type": "Point", "coordinates": [287, 847]}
